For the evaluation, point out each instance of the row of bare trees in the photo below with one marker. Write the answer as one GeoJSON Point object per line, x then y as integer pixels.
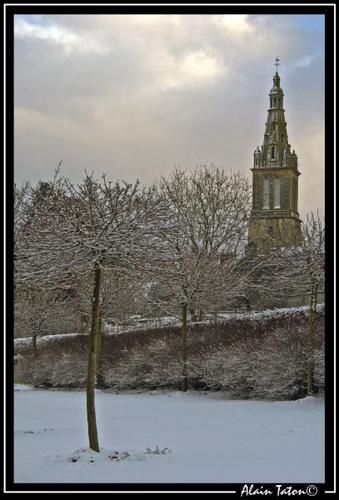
{"type": "Point", "coordinates": [300, 269]}
{"type": "Point", "coordinates": [184, 237]}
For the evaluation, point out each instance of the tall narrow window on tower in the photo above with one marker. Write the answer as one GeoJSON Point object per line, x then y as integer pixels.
{"type": "Point", "coordinates": [266, 200]}
{"type": "Point", "coordinates": [277, 192]}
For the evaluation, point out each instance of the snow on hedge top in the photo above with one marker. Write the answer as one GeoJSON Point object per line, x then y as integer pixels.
{"type": "Point", "coordinates": [22, 343]}
{"type": "Point", "coordinates": [23, 387]}
{"type": "Point", "coordinates": [309, 401]}
{"type": "Point", "coordinates": [270, 313]}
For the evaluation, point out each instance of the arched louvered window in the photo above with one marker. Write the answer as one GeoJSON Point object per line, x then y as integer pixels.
{"type": "Point", "coordinates": [266, 193]}
{"type": "Point", "coordinates": [277, 192]}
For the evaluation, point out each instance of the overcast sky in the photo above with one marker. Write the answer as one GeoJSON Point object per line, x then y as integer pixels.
{"type": "Point", "coordinates": [134, 95]}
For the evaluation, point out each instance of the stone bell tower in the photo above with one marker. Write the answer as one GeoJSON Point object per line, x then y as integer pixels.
{"type": "Point", "coordinates": [274, 218]}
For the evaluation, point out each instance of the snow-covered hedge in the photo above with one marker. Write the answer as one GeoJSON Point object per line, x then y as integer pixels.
{"type": "Point", "coordinates": [261, 356]}
{"type": "Point", "coordinates": [155, 365]}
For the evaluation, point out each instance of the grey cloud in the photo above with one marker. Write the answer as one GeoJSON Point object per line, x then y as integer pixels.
{"type": "Point", "coordinates": [141, 107]}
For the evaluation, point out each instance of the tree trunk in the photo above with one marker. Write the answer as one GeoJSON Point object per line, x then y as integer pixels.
{"type": "Point", "coordinates": [196, 314]}
{"type": "Point", "coordinates": [184, 348]}
{"type": "Point", "coordinates": [92, 361]}
{"type": "Point", "coordinates": [35, 345]}
{"type": "Point", "coordinates": [193, 314]}
{"type": "Point", "coordinates": [99, 351]}
{"type": "Point", "coordinates": [312, 325]}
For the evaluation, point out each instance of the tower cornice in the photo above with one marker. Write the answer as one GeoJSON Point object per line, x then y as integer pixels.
{"type": "Point", "coordinates": [275, 170]}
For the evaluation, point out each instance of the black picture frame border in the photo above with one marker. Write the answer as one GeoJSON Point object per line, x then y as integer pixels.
{"type": "Point", "coordinates": [10, 10]}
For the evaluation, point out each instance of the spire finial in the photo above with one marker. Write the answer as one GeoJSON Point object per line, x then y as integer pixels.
{"type": "Point", "coordinates": [277, 63]}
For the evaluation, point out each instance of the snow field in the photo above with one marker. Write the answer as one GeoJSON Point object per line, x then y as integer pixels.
{"type": "Point", "coordinates": [209, 439]}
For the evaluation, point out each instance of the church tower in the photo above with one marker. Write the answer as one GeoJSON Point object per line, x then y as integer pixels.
{"type": "Point", "coordinates": [274, 218]}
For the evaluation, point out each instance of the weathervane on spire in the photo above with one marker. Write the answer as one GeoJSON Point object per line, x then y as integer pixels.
{"type": "Point", "coordinates": [276, 64]}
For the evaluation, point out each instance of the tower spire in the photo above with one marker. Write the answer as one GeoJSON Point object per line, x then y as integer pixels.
{"type": "Point", "coordinates": [275, 178]}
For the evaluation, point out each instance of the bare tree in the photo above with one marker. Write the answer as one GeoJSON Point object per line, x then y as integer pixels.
{"type": "Point", "coordinates": [212, 207]}
{"type": "Point", "coordinates": [83, 229]}
{"type": "Point", "coordinates": [208, 213]}
{"type": "Point", "coordinates": [35, 309]}
{"type": "Point", "coordinates": [304, 273]}
{"type": "Point", "coordinates": [21, 216]}
{"type": "Point", "coordinates": [297, 270]}
{"type": "Point", "coordinates": [21, 200]}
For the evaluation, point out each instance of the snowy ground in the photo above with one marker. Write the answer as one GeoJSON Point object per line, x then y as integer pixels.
{"type": "Point", "coordinates": [211, 439]}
